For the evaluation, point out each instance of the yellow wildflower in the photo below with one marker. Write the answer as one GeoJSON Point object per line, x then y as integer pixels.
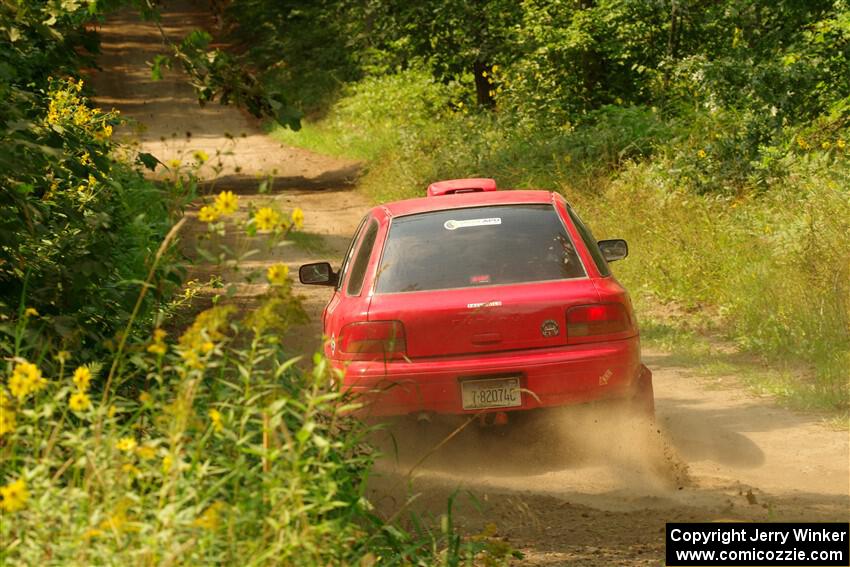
{"type": "Point", "coordinates": [190, 356]}
{"type": "Point", "coordinates": [226, 203]}
{"type": "Point", "coordinates": [206, 329]}
{"type": "Point", "coordinates": [277, 274]}
{"type": "Point", "coordinates": [701, 154]}
{"type": "Point", "coordinates": [158, 346]}
{"type": "Point", "coordinates": [126, 444]}
{"type": "Point", "coordinates": [200, 155]}
{"type": "Point", "coordinates": [131, 469]}
{"type": "Point", "coordinates": [208, 520]}
{"type": "Point", "coordinates": [107, 131]}
{"type": "Point", "coordinates": [146, 452]}
{"type": "Point", "coordinates": [93, 532]}
{"type": "Point", "coordinates": [118, 522]}
{"type": "Point", "coordinates": [82, 377]}
{"type": "Point", "coordinates": [18, 386]}
{"type": "Point", "coordinates": [144, 397]}
{"type": "Point", "coordinates": [25, 378]}
{"type": "Point", "coordinates": [7, 419]}
{"type": "Point", "coordinates": [79, 401]}
{"type": "Point", "coordinates": [174, 163]}
{"type": "Point", "coordinates": [825, 145]}
{"type": "Point", "coordinates": [63, 355]}
{"type": "Point", "coordinates": [840, 143]}
{"type": "Point", "coordinates": [215, 418]}
{"type": "Point", "coordinates": [208, 214]}
{"type": "Point", "coordinates": [29, 371]}
{"type": "Point", "coordinates": [167, 462]}
{"type": "Point", "coordinates": [81, 115]}
{"type": "Point", "coordinates": [298, 217]}
{"type": "Point", "coordinates": [266, 219]}
{"type": "Point", "coordinates": [13, 496]}
{"type": "Point", "coordinates": [495, 69]}
{"type": "Point", "coordinates": [30, 312]}
{"type": "Point", "coordinates": [207, 347]}
{"type": "Point", "coordinates": [802, 143]}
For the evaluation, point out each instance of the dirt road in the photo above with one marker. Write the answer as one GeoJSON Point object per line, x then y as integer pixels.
{"type": "Point", "coordinates": [164, 119]}
{"type": "Point", "coordinates": [582, 490]}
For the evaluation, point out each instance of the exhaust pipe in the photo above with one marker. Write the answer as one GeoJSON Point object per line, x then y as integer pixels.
{"type": "Point", "coordinates": [498, 418]}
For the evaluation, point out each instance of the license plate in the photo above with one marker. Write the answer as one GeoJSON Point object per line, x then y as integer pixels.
{"type": "Point", "coordinates": [491, 393]}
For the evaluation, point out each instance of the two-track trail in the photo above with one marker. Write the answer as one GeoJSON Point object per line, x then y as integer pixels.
{"type": "Point", "coordinates": [583, 491]}
{"type": "Point", "coordinates": [165, 120]}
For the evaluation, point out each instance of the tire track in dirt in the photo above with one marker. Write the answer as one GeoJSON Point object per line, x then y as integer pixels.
{"type": "Point", "coordinates": [585, 488]}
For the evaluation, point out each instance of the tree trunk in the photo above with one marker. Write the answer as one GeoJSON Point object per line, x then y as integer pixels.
{"type": "Point", "coordinates": [671, 41]}
{"type": "Point", "coordinates": [483, 86]}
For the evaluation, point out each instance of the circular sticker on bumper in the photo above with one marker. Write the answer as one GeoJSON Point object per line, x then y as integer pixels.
{"type": "Point", "coordinates": [550, 328]}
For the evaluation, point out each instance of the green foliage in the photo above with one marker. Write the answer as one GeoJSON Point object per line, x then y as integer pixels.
{"type": "Point", "coordinates": [737, 79]}
{"type": "Point", "coordinates": [323, 29]}
{"type": "Point", "coordinates": [218, 75]}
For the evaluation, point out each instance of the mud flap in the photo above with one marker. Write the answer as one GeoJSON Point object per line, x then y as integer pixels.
{"type": "Point", "coordinates": [644, 398]}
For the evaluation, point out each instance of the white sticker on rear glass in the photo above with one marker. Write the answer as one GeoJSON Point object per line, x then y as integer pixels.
{"type": "Point", "coordinates": [454, 224]}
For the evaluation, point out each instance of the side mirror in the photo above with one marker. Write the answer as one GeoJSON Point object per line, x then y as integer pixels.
{"type": "Point", "coordinates": [319, 273]}
{"type": "Point", "coordinates": [613, 250]}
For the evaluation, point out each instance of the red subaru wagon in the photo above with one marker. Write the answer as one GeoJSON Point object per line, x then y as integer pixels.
{"type": "Point", "coordinates": [473, 300]}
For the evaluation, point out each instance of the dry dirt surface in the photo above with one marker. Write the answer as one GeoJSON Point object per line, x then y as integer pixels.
{"type": "Point", "coordinates": [581, 488]}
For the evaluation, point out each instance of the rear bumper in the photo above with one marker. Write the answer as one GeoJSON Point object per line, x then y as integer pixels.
{"type": "Point", "coordinates": [549, 377]}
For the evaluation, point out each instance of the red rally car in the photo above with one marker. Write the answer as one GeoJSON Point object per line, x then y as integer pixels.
{"type": "Point", "coordinates": [473, 300]}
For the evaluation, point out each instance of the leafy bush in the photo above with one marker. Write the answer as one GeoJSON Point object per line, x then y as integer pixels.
{"type": "Point", "coordinates": [77, 226]}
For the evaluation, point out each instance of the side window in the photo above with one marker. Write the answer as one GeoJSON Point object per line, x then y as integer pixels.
{"type": "Point", "coordinates": [590, 243]}
{"type": "Point", "coordinates": [361, 260]}
{"type": "Point", "coordinates": [346, 261]}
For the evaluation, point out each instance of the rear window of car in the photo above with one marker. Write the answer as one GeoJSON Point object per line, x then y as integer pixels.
{"type": "Point", "coordinates": [478, 246]}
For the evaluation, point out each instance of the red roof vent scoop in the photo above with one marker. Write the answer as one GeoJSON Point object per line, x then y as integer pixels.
{"type": "Point", "coordinates": [454, 186]}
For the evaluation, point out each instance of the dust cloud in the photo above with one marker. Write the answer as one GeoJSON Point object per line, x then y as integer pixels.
{"type": "Point", "coordinates": [597, 450]}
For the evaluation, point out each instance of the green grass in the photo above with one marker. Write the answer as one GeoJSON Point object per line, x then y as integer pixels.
{"type": "Point", "coordinates": [792, 384]}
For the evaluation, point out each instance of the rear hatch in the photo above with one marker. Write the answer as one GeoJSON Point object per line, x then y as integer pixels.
{"type": "Point", "coordinates": [480, 279]}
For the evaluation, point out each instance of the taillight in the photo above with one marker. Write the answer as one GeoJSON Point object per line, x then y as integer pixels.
{"type": "Point", "coordinates": [373, 340]}
{"type": "Point", "coordinates": [587, 323]}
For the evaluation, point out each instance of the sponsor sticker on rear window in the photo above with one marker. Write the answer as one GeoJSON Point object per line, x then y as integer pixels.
{"type": "Point", "coordinates": [455, 224]}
